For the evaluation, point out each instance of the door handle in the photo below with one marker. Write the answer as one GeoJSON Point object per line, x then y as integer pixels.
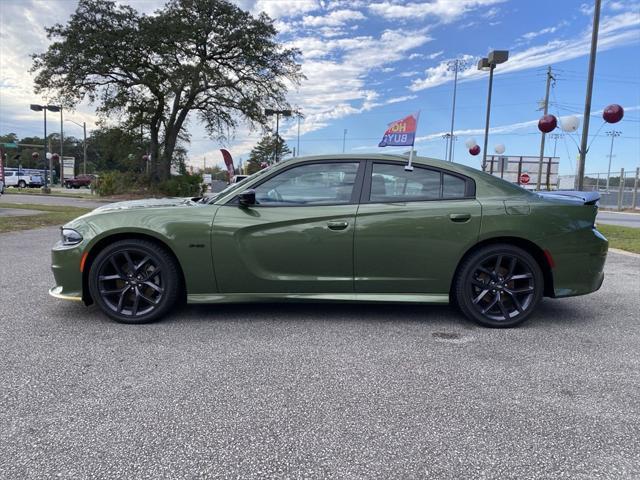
{"type": "Point", "coordinates": [460, 217]}
{"type": "Point", "coordinates": [337, 225]}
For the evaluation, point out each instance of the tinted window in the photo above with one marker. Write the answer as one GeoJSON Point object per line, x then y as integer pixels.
{"type": "Point", "coordinates": [393, 183]}
{"type": "Point", "coordinates": [452, 186]}
{"type": "Point", "coordinates": [311, 184]}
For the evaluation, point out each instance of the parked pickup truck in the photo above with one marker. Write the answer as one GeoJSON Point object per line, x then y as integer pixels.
{"type": "Point", "coordinates": [79, 181]}
{"type": "Point", "coordinates": [22, 180]}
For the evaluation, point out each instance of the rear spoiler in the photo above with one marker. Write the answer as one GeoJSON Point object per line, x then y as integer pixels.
{"type": "Point", "coordinates": [586, 198]}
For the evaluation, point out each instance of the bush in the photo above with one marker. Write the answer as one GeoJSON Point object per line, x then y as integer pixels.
{"type": "Point", "coordinates": [118, 183]}
{"type": "Point", "coordinates": [114, 183]}
{"type": "Point", "coordinates": [182, 186]}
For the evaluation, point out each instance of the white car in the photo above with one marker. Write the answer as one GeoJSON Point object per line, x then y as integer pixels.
{"type": "Point", "coordinates": [1, 187]}
{"type": "Point", "coordinates": [17, 179]}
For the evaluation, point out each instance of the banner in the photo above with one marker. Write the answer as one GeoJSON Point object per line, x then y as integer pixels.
{"type": "Point", "coordinates": [228, 161]}
{"type": "Point", "coordinates": [401, 133]}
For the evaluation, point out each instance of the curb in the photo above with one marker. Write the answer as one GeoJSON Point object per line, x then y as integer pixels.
{"type": "Point", "coordinates": [624, 252]}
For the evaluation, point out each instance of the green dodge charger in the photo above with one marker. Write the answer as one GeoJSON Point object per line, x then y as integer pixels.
{"type": "Point", "coordinates": [339, 228]}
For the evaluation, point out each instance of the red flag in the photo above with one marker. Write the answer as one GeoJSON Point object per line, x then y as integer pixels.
{"type": "Point", "coordinates": [228, 161]}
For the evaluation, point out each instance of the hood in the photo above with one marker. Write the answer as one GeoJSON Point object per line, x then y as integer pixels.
{"type": "Point", "coordinates": [147, 203]}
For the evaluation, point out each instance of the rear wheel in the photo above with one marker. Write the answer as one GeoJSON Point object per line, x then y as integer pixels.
{"type": "Point", "coordinates": [499, 286]}
{"type": "Point", "coordinates": [134, 281]}
{"type": "Point", "coordinates": [22, 184]}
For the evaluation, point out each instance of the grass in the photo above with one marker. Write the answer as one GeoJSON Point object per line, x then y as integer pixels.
{"type": "Point", "coordinates": [44, 216]}
{"type": "Point", "coordinates": [624, 238]}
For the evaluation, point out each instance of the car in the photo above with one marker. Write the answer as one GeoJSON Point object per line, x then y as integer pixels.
{"type": "Point", "coordinates": [1, 187]}
{"type": "Point", "coordinates": [79, 181]}
{"type": "Point", "coordinates": [36, 181]}
{"type": "Point", "coordinates": [17, 179]}
{"type": "Point", "coordinates": [339, 228]}
{"type": "Point", "coordinates": [238, 178]}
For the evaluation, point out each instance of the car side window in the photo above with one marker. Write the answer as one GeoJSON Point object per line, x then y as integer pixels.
{"type": "Point", "coordinates": [392, 183]}
{"type": "Point", "coordinates": [452, 186]}
{"type": "Point", "coordinates": [310, 184]}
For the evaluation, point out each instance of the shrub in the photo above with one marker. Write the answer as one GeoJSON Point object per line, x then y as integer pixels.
{"type": "Point", "coordinates": [182, 186]}
{"type": "Point", "coordinates": [114, 183]}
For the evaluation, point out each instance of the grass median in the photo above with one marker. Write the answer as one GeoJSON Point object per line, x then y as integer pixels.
{"type": "Point", "coordinates": [43, 216]}
{"type": "Point", "coordinates": [624, 238]}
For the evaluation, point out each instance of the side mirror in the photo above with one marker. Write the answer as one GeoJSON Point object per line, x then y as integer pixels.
{"type": "Point", "coordinates": [247, 198]}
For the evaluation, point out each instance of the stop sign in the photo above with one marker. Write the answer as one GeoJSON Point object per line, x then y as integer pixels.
{"type": "Point", "coordinates": [524, 178]}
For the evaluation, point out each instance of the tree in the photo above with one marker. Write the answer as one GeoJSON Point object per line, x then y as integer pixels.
{"type": "Point", "coordinates": [265, 152]}
{"type": "Point", "coordinates": [203, 56]}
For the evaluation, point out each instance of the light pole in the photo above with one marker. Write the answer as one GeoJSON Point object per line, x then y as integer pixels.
{"type": "Point", "coordinates": [556, 137]}
{"type": "Point", "coordinates": [454, 65]}
{"type": "Point", "coordinates": [344, 139]}
{"type": "Point", "coordinates": [43, 108]}
{"type": "Point", "coordinates": [587, 101]}
{"type": "Point", "coordinates": [613, 134]}
{"type": "Point", "coordinates": [84, 145]}
{"type": "Point", "coordinates": [285, 113]}
{"type": "Point", "coordinates": [489, 63]}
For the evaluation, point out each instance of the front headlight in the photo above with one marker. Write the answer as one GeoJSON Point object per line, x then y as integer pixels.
{"type": "Point", "coordinates": [70, 236]}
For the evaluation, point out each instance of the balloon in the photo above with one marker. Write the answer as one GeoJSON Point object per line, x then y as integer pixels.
{"type": "Point", "coordinates": [55, 157]}
{"type": "Point", "coordinates": [613, 113]}
{"type": "Point", "coordinates": [48, 155]}
{"type": "Point", "coordinates": [470, 143]}
{"type": "Point", "coordinates": [145, 157]}
{"type": "Point", "coordinates": [547, 123]}
{"type": "Point", "coordinates": [500, 149]}
{"type": "Point", "coordinates": [35, 155]}
{"type": "Point", "coordinates": [475, 150]}
{"type": "Point", "coordinates": [569, 124]}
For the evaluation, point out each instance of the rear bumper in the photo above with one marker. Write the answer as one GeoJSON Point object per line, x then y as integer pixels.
{"type": "Point", "coordinates": [581, 271]}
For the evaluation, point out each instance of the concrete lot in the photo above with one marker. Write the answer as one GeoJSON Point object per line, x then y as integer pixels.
{"type": "Point", "coordinates": [315, 390]}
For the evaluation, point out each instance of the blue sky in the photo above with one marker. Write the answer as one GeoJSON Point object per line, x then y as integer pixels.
{"type": "Point", "coordinates": [369, 63]}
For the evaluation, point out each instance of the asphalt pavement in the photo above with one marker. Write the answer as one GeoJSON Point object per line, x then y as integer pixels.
{"type": "Point", "coordinates": [315, 390]}
{"type": "Point", "coordinates": [622, 219]}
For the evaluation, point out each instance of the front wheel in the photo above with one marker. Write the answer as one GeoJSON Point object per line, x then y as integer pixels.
{"type": "Point", "coordinates": [499, 286]}
{"type": "Point", "coordinates": [22, 184]}
{"type": "Point", "coordinates": [134, 281]}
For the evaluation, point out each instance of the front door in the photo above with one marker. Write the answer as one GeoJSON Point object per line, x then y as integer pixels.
{"type": "Point", "coordinates": [412, 228]}
{"type": "Point", "coordinates": [297, 238]}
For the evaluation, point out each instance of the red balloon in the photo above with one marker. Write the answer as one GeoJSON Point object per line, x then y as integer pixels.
{"type": "Point", "coordinates": [475, 150]}
{"type": "Point", "coordinates": [145, 157]}
{"type": "Point", "coordinates": [547, 123]}
{"type": "Point", "coordinates": [35, 155]}
{"type": "Point", "coordinates": [55, 157]}
{"type": "Point", "coordinates": [613, 113]}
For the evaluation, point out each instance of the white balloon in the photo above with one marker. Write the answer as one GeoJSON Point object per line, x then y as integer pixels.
{"type": "Point", "coordinates": [570, 123]}
{"type": "Point", "coordinates": [470, 143]}
{"type": "Point", "coordinates": [49, 155]}
{"type": "Point", "coordinates": [500, 148]}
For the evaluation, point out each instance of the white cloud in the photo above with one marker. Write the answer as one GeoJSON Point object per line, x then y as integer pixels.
{"type": "Point", "coordinates": [621, 29]}
{"type": "Point", "coordinates": [445, 11]}
{"type": "Point", "coordinates": [435, 55]}
{"type": "Point", "coordinates": [334, 19]}
{"type": "Point", "coordinates": [281, 8]}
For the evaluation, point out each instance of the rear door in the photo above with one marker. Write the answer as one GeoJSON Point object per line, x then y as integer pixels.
{"type": "Point", "coordinates": [297, 238]}
{"type": "Point", "coordinates": [412, 228]}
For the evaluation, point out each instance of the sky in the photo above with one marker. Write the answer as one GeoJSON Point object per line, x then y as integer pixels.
{"type": "Point", "coordinates": [370, 63]}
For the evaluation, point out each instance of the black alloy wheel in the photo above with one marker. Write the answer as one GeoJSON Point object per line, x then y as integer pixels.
{"type": "Point", "coordinates": [499, 286]}
{"type": "Point", "coordinates": [134, 281]}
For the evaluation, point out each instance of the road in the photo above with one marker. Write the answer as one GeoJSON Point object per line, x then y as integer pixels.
{"type": "Point", "coordinates": [619, 218]}
{"type": "Point", "coordinates": [7, 199]}
{"type": "Point", "coordinates": [315, 390]}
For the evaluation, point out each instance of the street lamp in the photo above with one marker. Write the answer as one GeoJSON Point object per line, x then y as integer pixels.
{"type": "Point", "coordinates": [285, 113]}
{"type": "Point", "coordinates": [44, 108]}
{"type": "Point", "coordinates": [84, 145]}
{"type": "Point", "coordinates": [613, 134]}
{"type": "Point", "coordinates": [489, 63]}
{"type": "Point", "coordinates": [455, 66]}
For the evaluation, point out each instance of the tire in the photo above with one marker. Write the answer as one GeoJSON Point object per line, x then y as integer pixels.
{"type": "Point", "coordinates": [123, 284]}
{"type": "Point", "coordinates": [22, 184]}
{"type": "Point", "coordinates": [67, 185]}
{"type": "Point", "coordinates": [499, 286]}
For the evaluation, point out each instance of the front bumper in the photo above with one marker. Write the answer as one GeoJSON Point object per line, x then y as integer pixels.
{"type": "Point", "coordinates": [65, 265]}
{"type": "Point", "coordinates": [56, 292]}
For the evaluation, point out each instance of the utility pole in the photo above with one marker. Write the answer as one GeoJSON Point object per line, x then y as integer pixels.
{"type": "Point", "coordinates": [613, 134]}
{"type": "Point", "coordinates": [344, 139]}
{"type": "Point", "coordinates": [587, 101]}
{"type": "Point", "coordinates": [84, 148]}
{"type": "Point", "coordinates": [446, 137]}
{"type": "Point", "coordinates": [298, 143]}
{"type": "Point", "coordinates": [546, 110]}
{"type": "Point", "coordinates": [61, 142]}
{"type": "Point", "coordinates": [454, 65]}
{"type": "Point", "coordinates": [556, 137]}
